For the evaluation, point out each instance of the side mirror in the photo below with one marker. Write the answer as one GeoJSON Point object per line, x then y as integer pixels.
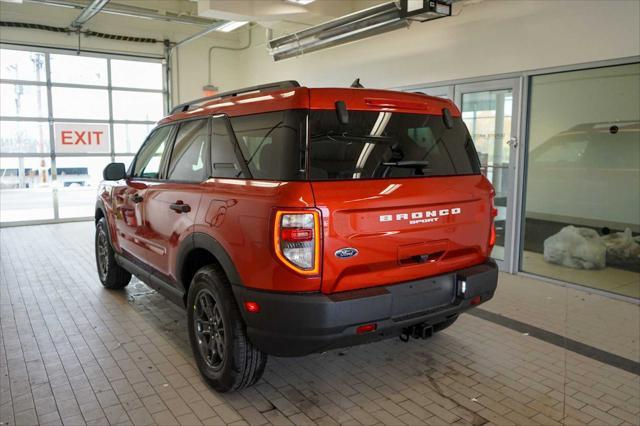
{"type": "Point", "coordinates": [342, 112]}
{"type": "Point", "coordinates": [114, 171]}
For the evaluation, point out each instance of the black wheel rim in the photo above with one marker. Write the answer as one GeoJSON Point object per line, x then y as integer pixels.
{"type": "Point", "coordinates": [209, 329]}
{"type": "Point", "coordinates": [102, 251]}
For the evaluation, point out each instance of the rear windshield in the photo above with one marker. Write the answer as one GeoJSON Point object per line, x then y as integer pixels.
{"type": "Point", "coordinates": [388, 145]}
{"type": "Point", "coordinates": [373, 145]}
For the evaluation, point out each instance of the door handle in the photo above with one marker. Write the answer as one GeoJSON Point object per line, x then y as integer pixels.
{"type": "Point", "coordinates": [513, 142]}
{"type": "Point", "coordinates": [136, 198]}
{"type": "Point", "coordinates": [180, 207]}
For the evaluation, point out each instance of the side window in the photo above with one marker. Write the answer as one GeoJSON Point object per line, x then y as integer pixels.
{"type": "Point", "coordinates": [224, 162]}
{"type": "Point", "coordinates": [149, 159]}
{"type": "Point", "coordinates": [188, 158]}
{"type": "Point", "coordinates": [271, 143]}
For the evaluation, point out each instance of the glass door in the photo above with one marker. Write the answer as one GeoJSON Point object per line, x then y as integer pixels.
{"type": "Point", "coordinates": [489, 110]}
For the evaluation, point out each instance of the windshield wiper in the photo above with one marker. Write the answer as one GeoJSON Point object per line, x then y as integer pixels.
{"type": "Point", "coordinates": [360, 138]}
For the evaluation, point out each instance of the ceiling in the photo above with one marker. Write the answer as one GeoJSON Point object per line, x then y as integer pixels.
{"type": "Point", "coordinates": [281, 15]}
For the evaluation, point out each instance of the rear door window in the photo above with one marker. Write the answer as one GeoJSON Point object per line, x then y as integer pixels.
{"type": "Point", "coordinates": [189, 155]}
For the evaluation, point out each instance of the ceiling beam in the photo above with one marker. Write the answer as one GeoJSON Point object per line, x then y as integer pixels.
{"type": "Point", "coordinates": [91, 10]}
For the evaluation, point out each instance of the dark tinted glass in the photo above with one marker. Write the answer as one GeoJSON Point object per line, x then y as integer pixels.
{"type": "Point", "coordinates": [188, 158]}
{"type": "Point", "coordinates": [149, 159]}
{"type": "Point", "coordinates": [272, 144]}
{"type": "Point", "coordinates": [388, 145]}
{"type": "Point", "coordinates": [224, 162]}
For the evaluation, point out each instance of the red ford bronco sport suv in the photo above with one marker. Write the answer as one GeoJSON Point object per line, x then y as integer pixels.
{"type": "Point", "coordinates": [290, 220]}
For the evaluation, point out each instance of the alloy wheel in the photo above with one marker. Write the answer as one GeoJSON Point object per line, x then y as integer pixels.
{"type": "Point", "coordinates": [209, 329]}
{"type": "Point", "coordinates": [103, 254]}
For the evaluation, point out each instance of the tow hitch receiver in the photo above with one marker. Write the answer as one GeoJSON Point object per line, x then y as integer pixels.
{"type": "Point", "coordinates": [418, 331]}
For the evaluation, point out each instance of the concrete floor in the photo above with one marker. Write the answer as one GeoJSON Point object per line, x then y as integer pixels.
{"type": "Point", "coordinates": [75, 353]}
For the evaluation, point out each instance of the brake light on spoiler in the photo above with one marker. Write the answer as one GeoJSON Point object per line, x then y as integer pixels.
{"type": "Point", "coordinates": [296, 238]}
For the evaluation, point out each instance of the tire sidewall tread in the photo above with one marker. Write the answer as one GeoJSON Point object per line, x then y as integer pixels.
{"type": "Point", "coordinates": [244, 364]}
{"type": "Point", "coordinates": [117, 277]}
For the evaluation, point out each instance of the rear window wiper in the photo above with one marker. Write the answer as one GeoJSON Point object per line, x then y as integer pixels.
{"type": "Point", "coordinates": [417, 164]}
{"type": "Point", "coordinates": [359, 138]}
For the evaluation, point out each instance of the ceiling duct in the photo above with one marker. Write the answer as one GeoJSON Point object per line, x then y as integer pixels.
{"type": "Point", "coordinates": [358, 25]}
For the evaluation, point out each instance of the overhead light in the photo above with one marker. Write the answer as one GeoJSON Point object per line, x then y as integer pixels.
{"type": "Point", "coordinates": [300, 2]}
{"type": "Point", "coordinates": [230, 26]}
{"type": "Point", "coordinates": [358, 25]}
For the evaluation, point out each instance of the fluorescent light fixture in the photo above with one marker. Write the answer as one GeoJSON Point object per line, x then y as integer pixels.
{"type": "Point", "coordinates": [230, 26]}
{"type": "Point", "coordinates": [300, 2]}
{"type": "Point", "coordinates": [359, 25]}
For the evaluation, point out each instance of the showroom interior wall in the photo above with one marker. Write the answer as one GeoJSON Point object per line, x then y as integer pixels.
{"type": "Point", "coordinates": [484, 38]}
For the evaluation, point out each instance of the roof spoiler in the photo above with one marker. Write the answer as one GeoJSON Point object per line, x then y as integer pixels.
{"type": "Point", "coordinates": [269, 87]}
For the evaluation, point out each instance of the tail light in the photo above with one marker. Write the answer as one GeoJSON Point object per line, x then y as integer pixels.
{"type": "Point", "coordinates": [297, 240]}
{"type": "Point", "coordinates": [492, 228]}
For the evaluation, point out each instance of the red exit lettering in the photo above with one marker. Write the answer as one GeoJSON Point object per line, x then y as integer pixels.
{"type": "Point", "coordinates": [87, 137]}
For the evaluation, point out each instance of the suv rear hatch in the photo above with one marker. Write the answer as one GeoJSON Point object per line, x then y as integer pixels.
{"type": "Point", "coordinates": [401, 196]}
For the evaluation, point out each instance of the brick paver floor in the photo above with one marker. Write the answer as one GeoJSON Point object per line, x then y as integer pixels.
{"type": "Point", "coordinates": [74, 353]}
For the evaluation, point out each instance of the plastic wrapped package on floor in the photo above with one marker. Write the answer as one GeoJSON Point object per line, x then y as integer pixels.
{"type": "Point", "coordinates": [579, 248]}
{"type": "Point", "coordinates": [623, 249]}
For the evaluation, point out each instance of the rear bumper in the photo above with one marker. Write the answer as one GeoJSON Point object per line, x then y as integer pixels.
{"type": "Point", "coordinates": [300, 324]}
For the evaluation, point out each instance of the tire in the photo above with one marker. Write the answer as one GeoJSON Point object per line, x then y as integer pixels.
{"type": "Point", "coordinates": [225, 357]}
{"type": "Point", "coordinates": [444, 324]}
{"type": "Point", "coordinates": [112, 275]}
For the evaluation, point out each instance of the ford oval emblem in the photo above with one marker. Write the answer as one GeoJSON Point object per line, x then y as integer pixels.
{"type": "Point", "coordinates": [346, 252]}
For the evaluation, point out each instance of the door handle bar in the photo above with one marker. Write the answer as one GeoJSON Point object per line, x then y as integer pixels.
{"type": "Point", "coordinates": [180, 207]}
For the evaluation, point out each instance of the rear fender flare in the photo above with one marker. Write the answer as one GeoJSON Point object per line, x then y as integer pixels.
{"type": "Point", "coordinates": [199, 240]}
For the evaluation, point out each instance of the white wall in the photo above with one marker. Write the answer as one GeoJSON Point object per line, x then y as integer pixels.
{"type": "Point", "coordinates": [489, 37]}
{"type": "Point", "coordinates": [485, 38]}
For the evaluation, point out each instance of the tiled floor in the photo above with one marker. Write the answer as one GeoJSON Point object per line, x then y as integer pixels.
{"type": "Point", "coordinates": [626, 283]}
{"type": "Point", "coordinates": [75, 353]}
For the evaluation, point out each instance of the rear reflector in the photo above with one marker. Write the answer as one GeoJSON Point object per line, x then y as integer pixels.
{"type": "Point", "coordinates": [297, 234]}
{"type": "Point", "coordinates": [252, 307]}
{"type": "Point", "coordinates": [475, 301]}
{"type": "Point", "coordinates": [366, 328]}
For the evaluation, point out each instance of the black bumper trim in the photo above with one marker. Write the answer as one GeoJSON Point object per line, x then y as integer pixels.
{"type": "Point", "coordinates": [300, 324]}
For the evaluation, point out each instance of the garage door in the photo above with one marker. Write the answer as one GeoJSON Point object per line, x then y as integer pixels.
{"type": "Point", "coordinates": [63, 117]}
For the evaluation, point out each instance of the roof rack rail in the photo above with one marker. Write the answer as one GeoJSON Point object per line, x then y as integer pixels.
{"type": "Point", "coordinates": [260, 88]}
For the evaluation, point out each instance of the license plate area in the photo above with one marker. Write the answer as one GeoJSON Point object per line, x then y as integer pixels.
{"type": "Point", "coordinates": [423, 295]}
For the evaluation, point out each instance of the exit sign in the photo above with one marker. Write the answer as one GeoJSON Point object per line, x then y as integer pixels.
{"type": "Point", "coordinates": [81, 138]}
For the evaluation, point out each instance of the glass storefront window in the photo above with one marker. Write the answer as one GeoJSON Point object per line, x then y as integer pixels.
{"type": "Point", "coordinates": [128, 138]}
{"type": "Point", "coordinates": [22, 65]}
{"type": "Point", "coordinates": [582, 208]}
{"type": "Point", "coordinates": [24, 137]}
{"type": "Point", "coordinates": [487, 115]}
{"type": "Point", "coordinates": [25, 189]}
{"type": "Point", "coordinates": [22, 100]}
{"type": "Point", "coordinates": [137, 106]}
{"type": "Point", "coordinates": [77, 182]}
{"type": "Point", "coordinates": [74, 103]}
{"type": "Point", "coordinates": [142, 75]}
{"type": "Point", "coordinates": [79, 70]}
